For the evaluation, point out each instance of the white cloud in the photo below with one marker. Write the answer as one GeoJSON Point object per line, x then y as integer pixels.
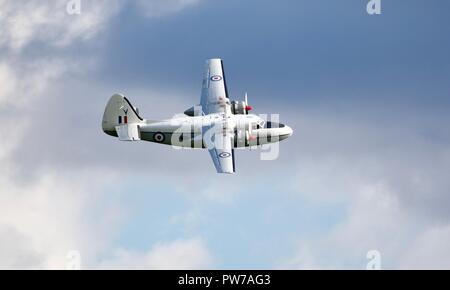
{"type": "Point", "coordinates": [58, 212]}
{"type": "Point", "coordinates": [23, 22]}
{"type": "Point", "coordinates": [176, 255]}
{"type": "Point", "coordinates": [46, 218]}
{"type": "Point", "coordinates": [375, 221]}
{"type": "Point", "coordinates": [429, 251]}
{"type": "Point", "coordinates": [389, 178]}
{"type": "Point", "coordinates": [8, 81]}
{"type": "Point", "coordinates": [16, 251]}
{"type": "Point", "coordinates": [52, 211]}
{"type": "Point", "coordinates": [27, 81]}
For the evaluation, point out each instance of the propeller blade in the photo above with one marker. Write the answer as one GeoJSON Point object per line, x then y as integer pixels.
{"type": "Point", "coordinates": [247, 107]}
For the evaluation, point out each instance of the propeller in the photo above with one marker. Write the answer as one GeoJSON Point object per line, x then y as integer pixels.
{"type": "Point", "coordinates": [247, 106]}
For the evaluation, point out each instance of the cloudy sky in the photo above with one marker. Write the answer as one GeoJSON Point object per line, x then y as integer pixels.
{"type": "Point", "coordinates": [367, 168]}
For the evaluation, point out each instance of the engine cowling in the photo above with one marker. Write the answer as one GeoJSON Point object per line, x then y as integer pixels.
{"type": "Point", "coordinates": [193, 111]}
{"type": "Point", "coordinates": [240, 107]}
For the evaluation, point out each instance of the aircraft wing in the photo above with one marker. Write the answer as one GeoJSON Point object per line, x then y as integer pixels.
{"type": "Point", "coordinates": [214, 97]}
{"type": "Point", "coordinates": [222, 153]}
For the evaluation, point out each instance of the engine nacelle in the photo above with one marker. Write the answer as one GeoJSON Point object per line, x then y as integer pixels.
{"type": "Point", "coordinates": [240, 107]}
{"type": "Point", "coordinates": [193, 111]}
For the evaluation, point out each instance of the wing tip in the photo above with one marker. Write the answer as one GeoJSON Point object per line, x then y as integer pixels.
{"type": "Point", "coordinates": [214, 60]}
{"type": "Point", "coordinates": [226, 172]}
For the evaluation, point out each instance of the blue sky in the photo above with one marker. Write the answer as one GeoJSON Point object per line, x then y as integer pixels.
{"type": "Point", "coordinates": [367, 97]}
{"type": "Point", "coordinates": [300, 47]}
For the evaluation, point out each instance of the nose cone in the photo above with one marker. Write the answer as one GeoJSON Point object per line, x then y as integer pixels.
{"type": "Point", "coordinates": [286, 132]}
{"type": "Point", "coordinates": [289, 131]}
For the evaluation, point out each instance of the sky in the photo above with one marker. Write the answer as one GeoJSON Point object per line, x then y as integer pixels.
{"type": "Point", "coordinates": [368, 97]}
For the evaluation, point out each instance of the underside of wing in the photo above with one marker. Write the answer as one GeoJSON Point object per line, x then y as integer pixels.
{"type": "Point", "coordinates": [223, 160]}
{"type": "Point", "coordinates": [214, 97]}
{"type": "Point", "coordinates": [222, 153]}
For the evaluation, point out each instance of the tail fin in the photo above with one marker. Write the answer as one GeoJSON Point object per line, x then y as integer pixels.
{"type": "Point", "coordinates": [119, 111]}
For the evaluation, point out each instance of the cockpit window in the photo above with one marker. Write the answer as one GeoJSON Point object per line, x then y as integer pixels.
{"type": "Point", "coordinates": [269, 125]}
{"type": "Point", "coordinates": [261, 124]}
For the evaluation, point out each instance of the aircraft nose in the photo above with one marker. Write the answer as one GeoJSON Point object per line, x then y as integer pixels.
{"type": "Point", "coordinates": [286, 132]}
{"type": "Point", "coordinates": [289, 131]}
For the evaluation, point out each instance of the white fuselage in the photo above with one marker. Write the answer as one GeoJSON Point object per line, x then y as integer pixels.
{"type": "Point", "coordinates": [185, 131]}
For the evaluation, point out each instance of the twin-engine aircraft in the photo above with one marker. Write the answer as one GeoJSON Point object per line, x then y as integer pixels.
{"type": "Point", "coordinates": [217, 124]}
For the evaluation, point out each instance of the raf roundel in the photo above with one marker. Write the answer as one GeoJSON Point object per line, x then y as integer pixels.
{"type": "Point", "coordinates": [159, 137]}
{"type": "Point", "coordinates": [224, 155]}
{"type": "Point", "coordinates": [216, 78]}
